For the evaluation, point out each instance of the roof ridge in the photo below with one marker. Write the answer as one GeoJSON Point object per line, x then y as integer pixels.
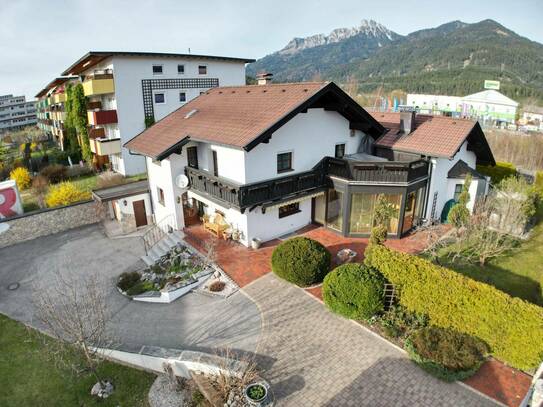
{"type": "Point", "coordinates": [323, 83]}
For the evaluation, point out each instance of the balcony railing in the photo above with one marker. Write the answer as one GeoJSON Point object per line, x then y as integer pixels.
{"type": "Point", "coordinates": [375, 172]}
{"type": "Point", "coordinates": [102, 117]}
{"type": "Point", "coordinates": [248, 195]}
{"type": "Point", "coordinates": [105, 146]}
{"type": "Point", "coordinates": [98, 84]}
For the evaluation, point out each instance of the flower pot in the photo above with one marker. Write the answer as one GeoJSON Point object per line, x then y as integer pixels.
{"type": "Point", "coordinates": [255, 243]}
{"type": "Point", "coordinates": [256, 394]}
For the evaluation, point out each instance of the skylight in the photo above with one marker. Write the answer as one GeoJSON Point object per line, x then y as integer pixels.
{"type": "Point", "coordinates": [191, 113]}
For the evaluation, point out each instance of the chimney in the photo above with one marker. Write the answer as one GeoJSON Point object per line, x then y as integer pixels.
{"type": "Point", "coordinates": [264, 78]}
{"type": "Point", "coordinates": [407, 121]}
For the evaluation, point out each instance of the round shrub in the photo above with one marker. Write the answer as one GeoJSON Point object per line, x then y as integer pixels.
{"type": "Point", "coordinates": [128, 279]}
{"type": "Point", "coordinates": [445, 353]}
{"type": "Point", "coordinates": [354, 291]}
{"type": "Point", "coordinates": [22, 177]}
{"type": "Point", "coordinates": [301, 261]}
{"type": "Point", "coordinates": [65, 193]}
{"type": "Point", "coordinates": [55, 173]}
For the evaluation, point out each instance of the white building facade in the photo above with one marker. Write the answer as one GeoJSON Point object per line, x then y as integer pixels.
{"type": "Point", "coordinates": [314, 163]}
{"type": "Point", "coordinates": [16, 113]}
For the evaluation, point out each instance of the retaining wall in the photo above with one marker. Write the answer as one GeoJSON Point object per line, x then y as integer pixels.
{"type": "Point", "coordinates": [48, 221]}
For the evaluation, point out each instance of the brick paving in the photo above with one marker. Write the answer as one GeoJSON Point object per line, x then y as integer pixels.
{"type": "Point", "coordinates": [501, 382]}
{"type": "Point", "coordinates": [315, 358]}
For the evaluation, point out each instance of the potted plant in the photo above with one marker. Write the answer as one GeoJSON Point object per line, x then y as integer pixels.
{"type": "Point", "coordinates": [255, 243]}
{"type": "Point", "coordinates": [256, 393]}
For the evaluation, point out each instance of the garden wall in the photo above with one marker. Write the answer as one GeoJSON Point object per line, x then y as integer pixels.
{"type": "Point", "coordinates": [48, 221]}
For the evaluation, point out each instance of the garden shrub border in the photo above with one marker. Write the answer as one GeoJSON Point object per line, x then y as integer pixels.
{"type": "Point", "coordinates": [512, 327]}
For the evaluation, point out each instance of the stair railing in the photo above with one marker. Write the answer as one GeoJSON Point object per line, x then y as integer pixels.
{"type": "Point", "coordinates": [158, 231]}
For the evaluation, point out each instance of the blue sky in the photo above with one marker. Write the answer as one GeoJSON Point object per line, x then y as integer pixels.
{"type": "Point", "coordinates": [40, 38]}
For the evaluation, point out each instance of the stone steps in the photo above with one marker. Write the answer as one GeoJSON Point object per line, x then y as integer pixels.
{"type": "Point", "coordinates": [162, 247]}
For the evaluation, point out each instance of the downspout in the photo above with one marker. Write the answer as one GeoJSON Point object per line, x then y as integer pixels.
{"type": "Point", "coordinates": [428, 188]}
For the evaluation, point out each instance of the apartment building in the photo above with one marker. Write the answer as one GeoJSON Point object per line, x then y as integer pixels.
{"type": "Point", "coordinates": [128, 91]}
{"type": "Point", "coordinates": [16, 113]}
{"type": "Point", "coordinates": [269, 159]}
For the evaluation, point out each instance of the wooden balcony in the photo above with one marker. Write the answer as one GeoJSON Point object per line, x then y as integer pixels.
{"type": "Point", "coordinates": [101, 117]}
{"type": "Point", "coordinates": [97, 133]}
{"type": "Point", "coordinates": [94, 105]}
{"type": "Point", "coordinates": [245, 196]}
{"type": "Point", "coordinates": [385, 172]}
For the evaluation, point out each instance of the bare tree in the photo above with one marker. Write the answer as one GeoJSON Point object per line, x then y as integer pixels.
{"type": "Point", "coordinates": [76, 313]}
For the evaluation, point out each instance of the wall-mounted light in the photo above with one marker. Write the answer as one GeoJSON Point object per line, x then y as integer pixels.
{"type": "Point", "coordinates": [125, 202]}
{"type": "Point", "coordinates": [178, 199]}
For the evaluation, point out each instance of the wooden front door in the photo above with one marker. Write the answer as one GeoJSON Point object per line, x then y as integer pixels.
{"type": "Point", "coordinates": [139, 213]}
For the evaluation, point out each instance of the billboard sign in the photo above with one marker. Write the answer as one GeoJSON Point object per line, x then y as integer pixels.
{"type": "Point", "coordinates": [10, 200]}
{"type": "Point", "coordinates": [495, 85]}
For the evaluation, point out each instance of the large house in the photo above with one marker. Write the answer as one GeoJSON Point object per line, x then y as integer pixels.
{"type": "Point", "coordinates": [269, 159]}
{"type": "Point", "coordinates": [128, 90]}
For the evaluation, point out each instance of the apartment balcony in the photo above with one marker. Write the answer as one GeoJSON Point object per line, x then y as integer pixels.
{"type": "Point", "coordinates": [97, 133]}
{"type": "Point", "coordinates": [94, 105]}
{"type": "Point", "coordinates": [101, 117]}
{"type": "Point", "coordinates": [104, 146]}
{"type": "Point", "coordinates": [98, 84]}
{"type": "Point", "coordinates": [58, 98]}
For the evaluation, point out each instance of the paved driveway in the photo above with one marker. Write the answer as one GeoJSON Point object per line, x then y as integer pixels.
{"type": "Point", "coordinates": [315, 358]}
{"type": "Point", "coordinates": [194, 321]}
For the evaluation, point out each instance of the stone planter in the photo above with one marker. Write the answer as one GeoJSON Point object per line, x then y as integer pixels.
{"type": "Point", "coordinates": [255, 243]}
{"type": "Point", "coordinates": [249, 397]}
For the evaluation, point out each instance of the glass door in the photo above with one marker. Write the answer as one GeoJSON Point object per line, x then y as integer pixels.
{"type": "Point", "coordinates": [319, 209]}
{"type": "Point", "coordinates": [409, 213]}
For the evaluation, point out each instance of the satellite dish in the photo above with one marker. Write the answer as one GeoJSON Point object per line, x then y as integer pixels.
{"type": "Point", "coordinates": [182, 181]}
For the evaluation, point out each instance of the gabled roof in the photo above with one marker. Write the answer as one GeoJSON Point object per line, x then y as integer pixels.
{"type": "Point", "coordinates": [93, 57]}
{"type": "Point", "coordinates": [435, 136]}
{"type": "Point", "coordinates": [461, 169]}
{"type": "Point", "coordinates": [490, 96]}
{"type": "Point", "coordinates": [55, 82]}
{"type": "Point", "coordinates": [244, 116]}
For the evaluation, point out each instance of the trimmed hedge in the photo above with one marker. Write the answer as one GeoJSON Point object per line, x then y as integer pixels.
{"type": "Point", "coordinates": [301, 261]}
{"type": "Point", "coordinates": [498, 172]}
{"type": "Point", "coordinates": [354, 291]}
{"type": "Point", "coordinates": [513, 328]}
{"type": "Point", "coordinates": [445, 353]}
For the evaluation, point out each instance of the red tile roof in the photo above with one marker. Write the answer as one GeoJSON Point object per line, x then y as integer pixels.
{"type": "Point", "coordinates": [437, 136]}
{"type": "Point", "coordinates": [240, 116]}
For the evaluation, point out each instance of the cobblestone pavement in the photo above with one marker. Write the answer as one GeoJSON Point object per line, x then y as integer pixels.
{"type": "Point", "coordinates": [315, 358]}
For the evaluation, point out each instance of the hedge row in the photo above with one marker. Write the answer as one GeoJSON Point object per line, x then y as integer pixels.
{"type": "Point", "coordinates": [513, 328]}
{"type": "Point", "coordinates": [498, 172]}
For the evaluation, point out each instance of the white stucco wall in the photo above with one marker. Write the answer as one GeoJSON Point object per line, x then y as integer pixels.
{"type": "Point", "coordinates": [310, 136]}
{"type": "Point", "coordinates": [451, 184]}
{"type": "Point", "coordinates": [231, 161]}
{"type": "Point", "coordinates": [128, 209]}
{"type": "Point", "coordinates": [439, 182]}
{"type": "Point", "coordinates": [128, 73]}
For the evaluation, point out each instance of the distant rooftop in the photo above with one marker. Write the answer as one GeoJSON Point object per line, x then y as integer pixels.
{"type": "Point", "coordinates": [93, 57]}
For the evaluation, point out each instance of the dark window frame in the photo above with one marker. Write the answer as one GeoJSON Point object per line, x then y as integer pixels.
{"type": "Point", "coordinates": [192, 157]}
{"type": "Point", "coordinates": [158, 72]}
{"type": "Point", "coordinates": [184, 99]}
{"type": "Point", "coordinates": [160, 196]}
{"type": "Point", "coordinates": [202, 69]}
{"type": "Point", "coordinates": [284, 164]}
{"type": "Point", "coordinates": [289, 209]}
{"type": "Point", "coordinates": [163, 98]}
{"type": "Point", "coordinates": [457, 191]}
{"type": "Point", "coordinates": [181, 69]}
{"type": "Point", "coordinates": [341, 153]}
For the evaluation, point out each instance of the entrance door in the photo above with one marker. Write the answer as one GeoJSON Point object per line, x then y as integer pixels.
{"type": "Point", "coordinates": [318, 205]}
{"type": "Point", "coordinates": [139, 213]}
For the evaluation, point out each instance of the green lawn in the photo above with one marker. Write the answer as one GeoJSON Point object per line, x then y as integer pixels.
{"type": "Point", "coordinates": [519, 273]}
{"type": "Point", "coordinates": [28, 378]}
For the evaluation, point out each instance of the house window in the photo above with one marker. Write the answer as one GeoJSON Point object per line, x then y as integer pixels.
{"type": "Point", "coordinates": [181, 69]}
{"type": "Point", "coordinates": [202, 69]}
{"type": "Point", "coordinates": [340, 150]}
{"type": "Point", "coordinates": [192, 157]}
{"type": "Point", "coordinates": [287, 210]}
{"type": "Point", "coordinates": [160, 98]}
{"type": "Point", "coordinates": [182, 97]}
{"type": "Point", "coordinates": [157, 70]}
{"type": "Point", "coordinates": [160, 195]}
{"type": "Point", "coordinates": [284, 162]}
{"type": "Point", "coordinates": [457, 191]}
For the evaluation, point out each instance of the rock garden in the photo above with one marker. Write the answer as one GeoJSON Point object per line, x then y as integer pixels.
{"type": "Point", "coordinates": [181, 270]}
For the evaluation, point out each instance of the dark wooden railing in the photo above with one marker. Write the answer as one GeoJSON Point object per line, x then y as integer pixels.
{"type": "Point", "coordinates": [247, 195]}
